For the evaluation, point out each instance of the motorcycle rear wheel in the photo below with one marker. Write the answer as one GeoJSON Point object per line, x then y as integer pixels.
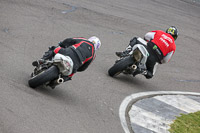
{"type": "Point", "coordinates": [48, 75]}
{"type": "Point", "coordinates": [121, 65]}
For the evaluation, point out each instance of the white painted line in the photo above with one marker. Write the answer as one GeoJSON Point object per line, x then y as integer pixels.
{"type": "Point", "coordinates": [130, 100]}
{"type": "Point", "coordinates": [180, 102]}
{"type": "Point", "coordinates": [149, 120]}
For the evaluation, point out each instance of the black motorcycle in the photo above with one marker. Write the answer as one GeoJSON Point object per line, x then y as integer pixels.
{"type": "Point", "coordinates": [134, 63]}
{"type": "Point", "coordinates": [51, 72]}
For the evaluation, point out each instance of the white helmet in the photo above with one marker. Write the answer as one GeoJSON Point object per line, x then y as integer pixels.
{"type": "Point", "coordinates": [96, 41]}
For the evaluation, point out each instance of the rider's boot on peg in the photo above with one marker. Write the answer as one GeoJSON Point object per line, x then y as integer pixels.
{"type": "Point", "coordinates": [124, 53]}
{"type": "Point", "coordinates": [48, 55]}
{"type": "Point", "coordinates": [128, 49]}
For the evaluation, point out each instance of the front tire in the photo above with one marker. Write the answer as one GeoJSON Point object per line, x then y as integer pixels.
{"type": "Point", "coordinates": [121, 65]}
{"type": "Point", "coordinates": [48, 75]}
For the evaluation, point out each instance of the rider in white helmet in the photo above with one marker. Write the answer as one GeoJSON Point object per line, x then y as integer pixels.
{"type": "Point", "coordinates": [80, 50]}
{"type": "Point", "coordinates": [95, 40]}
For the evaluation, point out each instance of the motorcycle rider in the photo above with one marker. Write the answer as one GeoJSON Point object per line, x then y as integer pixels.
{"type": "Point", "coordinates": [161, 47]}
{"type": "Point", "coordinates": [80, 50]}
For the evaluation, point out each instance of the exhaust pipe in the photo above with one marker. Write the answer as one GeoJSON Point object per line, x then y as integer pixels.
{"type": "Point", "coordinates": [60, 80]}
{"type": "Point", "coordinates": [134, 67]}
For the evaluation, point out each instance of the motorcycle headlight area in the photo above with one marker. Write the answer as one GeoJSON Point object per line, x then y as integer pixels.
{"type": "Point", "coordinates": [137, 55]}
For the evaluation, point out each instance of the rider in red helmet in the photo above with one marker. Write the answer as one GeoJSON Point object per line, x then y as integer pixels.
{"type": "Point", "coordinates": [161, 47]}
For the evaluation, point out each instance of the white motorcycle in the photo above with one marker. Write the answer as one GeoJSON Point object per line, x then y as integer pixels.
{"type": "Point", "coordinates": [133, 63]}
{"type": "Point", "coordinates": [51, 72]}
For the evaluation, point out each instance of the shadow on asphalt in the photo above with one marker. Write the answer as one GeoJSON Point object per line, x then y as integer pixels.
{"type": "Point", "coordinates": [60, 94]}
{"type": "Point", "coordinates": [136, 82]}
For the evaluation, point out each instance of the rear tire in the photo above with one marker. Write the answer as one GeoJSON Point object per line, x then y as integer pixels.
{"type": "Point", "coordinates": [48, 75]}
{"type": "Point", "coordinates": [121, 65]}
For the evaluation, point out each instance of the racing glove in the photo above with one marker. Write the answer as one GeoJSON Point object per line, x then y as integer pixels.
{"type": "Point", "coordinates": [52, 48]}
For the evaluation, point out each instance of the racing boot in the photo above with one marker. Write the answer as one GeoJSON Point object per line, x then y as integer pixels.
{"type": "Point", "coordinates": [129, 48]}
{"type": "Point", "coordinates": [47, 55]}
{"type": "Point", "coordinates": [37, 63]}
{"type": "Point", "coordinates": [124, 53]}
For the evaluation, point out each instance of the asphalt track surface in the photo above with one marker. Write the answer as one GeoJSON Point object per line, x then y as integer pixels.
{"type": "Point", "coordinates": [90, 102]}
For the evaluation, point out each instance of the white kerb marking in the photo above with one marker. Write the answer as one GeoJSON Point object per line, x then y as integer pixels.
{"type": "Point", "coordinates": [180, 102]}
{"type": "Point", "coordinates": [149, 120]}
{"type": "Point", "coordinates": [130, 100]}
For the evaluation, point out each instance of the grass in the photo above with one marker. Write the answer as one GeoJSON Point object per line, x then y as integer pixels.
{"type": "Point", "coordinates": [186, 123]}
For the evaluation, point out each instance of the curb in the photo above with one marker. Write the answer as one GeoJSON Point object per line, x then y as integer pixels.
{"type": "Point", "coordinates": [130, 100]}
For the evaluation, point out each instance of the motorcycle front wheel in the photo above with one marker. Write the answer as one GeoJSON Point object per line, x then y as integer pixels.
{"type": "Point", "coordinates": [45, 76]}
{"type": "Point", "coordinates": [121, 65]}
